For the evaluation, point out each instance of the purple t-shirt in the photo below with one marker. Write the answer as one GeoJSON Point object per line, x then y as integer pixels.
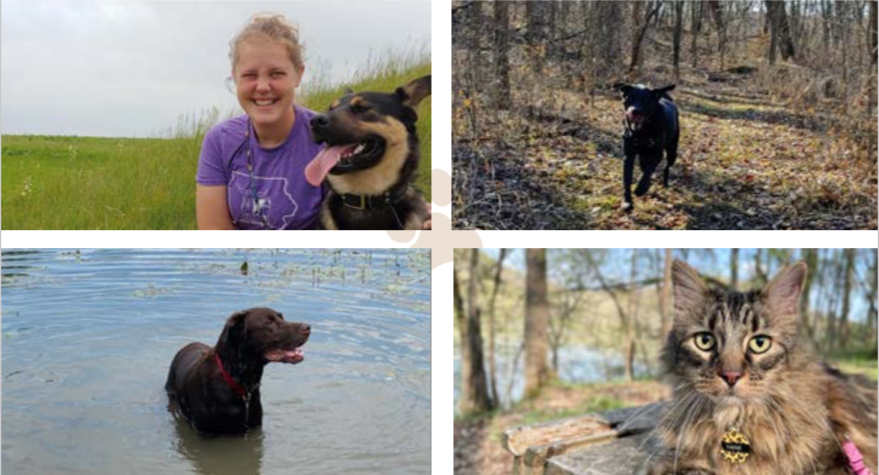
{"type": "Point", "coordinates": [283, 196]}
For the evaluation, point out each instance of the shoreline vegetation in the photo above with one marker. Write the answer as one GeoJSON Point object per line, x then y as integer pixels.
{"type": "Point", "coordinates": [75, 182]}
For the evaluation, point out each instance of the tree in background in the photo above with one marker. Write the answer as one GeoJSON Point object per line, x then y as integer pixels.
{"type": "Point", "coordinates": [614, 303]}
{"type": "Point", "coordinates": [474, 388]}
{"type": "Point", "coordinates": [666, 303]}
{"type": "Point", "coordinates": [536, 321]}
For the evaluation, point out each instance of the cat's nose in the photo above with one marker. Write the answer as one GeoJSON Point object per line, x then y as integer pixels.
{"type": "Point", "coordinates": [731, 377]}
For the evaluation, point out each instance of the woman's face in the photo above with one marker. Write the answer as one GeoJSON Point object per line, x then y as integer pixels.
{"type": "Point", "coordinates": [266, 81]}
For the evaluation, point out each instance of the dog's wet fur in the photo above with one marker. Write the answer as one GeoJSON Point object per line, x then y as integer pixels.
{"type": "Point", "coordinates": [371, 185]}
{"type": "Point", "coordinates": [197, 389]}
{"type": "Point", "coordinates": [651, 127]}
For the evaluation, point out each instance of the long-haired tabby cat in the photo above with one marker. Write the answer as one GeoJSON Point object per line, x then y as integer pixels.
{"type": "Point", "coordinates": [749, 398]}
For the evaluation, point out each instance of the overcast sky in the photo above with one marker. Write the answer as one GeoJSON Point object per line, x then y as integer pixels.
{"type": "Point", "coordinates": [130, 69]}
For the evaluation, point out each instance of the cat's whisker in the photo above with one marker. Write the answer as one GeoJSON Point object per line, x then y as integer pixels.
{"type": "Point", "coordinates": [676, 411]}
{"type": "Point", "coordinates": [734, 362]}
{"type": "Point", "coordinates": [684, 429]}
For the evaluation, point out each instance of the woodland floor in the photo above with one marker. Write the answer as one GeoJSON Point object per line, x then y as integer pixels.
{"type": "Point", "coordinates": [746, 161]}
{"type": "Point", "coordinates": [478, 449]}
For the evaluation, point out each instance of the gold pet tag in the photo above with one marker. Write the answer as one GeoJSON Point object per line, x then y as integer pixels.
{"type": "Point", "coordinates": [735, 446]}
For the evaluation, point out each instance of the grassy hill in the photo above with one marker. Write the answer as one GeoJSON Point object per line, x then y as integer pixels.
{"type": "Point", "coordinates": [54, 182]}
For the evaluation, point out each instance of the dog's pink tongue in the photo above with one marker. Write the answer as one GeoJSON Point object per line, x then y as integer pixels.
{"type": "Point", "coordinates": [320, 166]}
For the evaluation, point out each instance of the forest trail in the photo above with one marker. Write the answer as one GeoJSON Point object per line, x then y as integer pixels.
{"type": "Point", "coordinates": [745, 162]}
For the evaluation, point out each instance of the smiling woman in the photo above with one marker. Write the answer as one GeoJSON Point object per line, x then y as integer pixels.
{"type": "Point", "coordinates": [251, 169]}
{"type": "Point", "coordinates": [251, 172]}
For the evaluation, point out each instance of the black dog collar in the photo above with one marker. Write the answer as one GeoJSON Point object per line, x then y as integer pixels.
{"type": "Point", "coordinates": [364, 202]}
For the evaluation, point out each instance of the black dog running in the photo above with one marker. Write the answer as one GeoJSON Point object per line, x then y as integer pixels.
{"type": "Point", "coordinates": [651, 126]}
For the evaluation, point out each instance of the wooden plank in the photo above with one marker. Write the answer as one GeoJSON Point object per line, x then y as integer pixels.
{"type": "Point", "coordinates": [519, 439]}
{"type": "Point", "coordinates": [584, 445]}
{"type": "Point", "coordinates": [628, 455]}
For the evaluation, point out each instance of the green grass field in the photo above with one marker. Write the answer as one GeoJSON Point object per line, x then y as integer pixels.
{"type": "Point", "coordinates": [108, 183]}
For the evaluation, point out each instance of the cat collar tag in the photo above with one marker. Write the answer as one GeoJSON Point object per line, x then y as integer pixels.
{"type": "Point", "coordinates": [735, 446]}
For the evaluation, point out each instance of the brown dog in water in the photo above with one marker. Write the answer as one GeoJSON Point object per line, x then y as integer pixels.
{"type": "Point", "coordinates": [217, 388]}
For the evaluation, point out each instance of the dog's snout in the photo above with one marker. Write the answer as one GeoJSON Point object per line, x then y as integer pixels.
{"type": "Point", "coordinates": [320, 121]}
{"type": "Point", "coordinates": [305, 329]}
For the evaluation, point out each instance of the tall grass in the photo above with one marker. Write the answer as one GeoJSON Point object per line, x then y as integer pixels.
{"type": "Point", "coordinates": [55, 182]}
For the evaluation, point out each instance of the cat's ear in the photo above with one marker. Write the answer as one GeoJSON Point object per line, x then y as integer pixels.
{"type": "Point", "coordinates": [689, 290]}
{"type": "Point", "coordinates": [782, 295]}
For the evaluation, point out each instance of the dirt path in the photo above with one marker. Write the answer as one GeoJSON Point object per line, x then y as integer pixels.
{"type": "Point", "coordinates": [745, 162]}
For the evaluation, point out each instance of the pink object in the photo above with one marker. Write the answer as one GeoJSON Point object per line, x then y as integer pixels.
{"type": "Point", "coordinates": [319, 167]}
{"type": "Point", "coordinates": [855, 459]}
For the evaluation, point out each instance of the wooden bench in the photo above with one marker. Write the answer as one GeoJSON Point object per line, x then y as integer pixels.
{"type": "Point", "coordinates": [611, 443]}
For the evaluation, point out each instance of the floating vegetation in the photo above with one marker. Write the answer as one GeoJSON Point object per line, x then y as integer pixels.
{"type": "Point", "coordinates": [152, 291]}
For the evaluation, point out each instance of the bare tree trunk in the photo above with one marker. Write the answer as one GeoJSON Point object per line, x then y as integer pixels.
{"type": "Point", "coordinates": [630, 328]}
{"type": "Point", "coordinates": [842, 10]}
{"type": "Point", "coordinates": [773, 40]}
{"type": "Point", "coordinates": [844, 331]}
{"type": "Point", "coordinates": [826, 19]}
{"type": "Point", "coordinates": [717, 14]}
{"type": "Point", "coordinates": [810, 256]}
{"type": "Point", "coordinates": [558, 325]}
{"type": "Point", "coordinates": [734, 268]}
{"type": "Point", "coordinates": [873, 280]}
{"type": "Point", "coordinates": [832, 324]}
{"type": "Point", "coordinates": [678, 34]}
{"type": "Point", "coordinates": [666, 296]}
{"type": "Point", "coordinates": [492, 363]}
{"type": "Point", "coordinates": [537, 13]}
{"type": "Point", "coordinates": [695, 29]}
{"type": "Point", "coordinates": [780, 28]}
{"type": "Point", "coordinates": [477, 399]}
{"type": "Point", "coordinates": [641, 32]}
{"type": "Point", "coordinates": [759, 273]}
{"type": "Point", "coordinates": [874, 34]}
{"type": "Point", "coordinates": [464, 404]}
{"type": "Point", "coordinates": [536, 322]}
{"type": "Point", "coordinates": [502, 54]}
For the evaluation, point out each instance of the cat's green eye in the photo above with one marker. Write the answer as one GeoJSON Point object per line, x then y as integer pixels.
{"type": "Point", "coordinates": [760, 344]}
{"type": "Point", "coordinates": [704, 341]}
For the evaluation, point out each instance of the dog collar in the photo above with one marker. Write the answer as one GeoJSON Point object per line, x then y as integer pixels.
{"type": "Point", "coordinates": [239, 389]}
{"type": "Point", "coordinates": [364, 202]}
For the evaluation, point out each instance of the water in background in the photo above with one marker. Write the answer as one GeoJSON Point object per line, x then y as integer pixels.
{"type": "Point", "coordinates": [578, 364]}
{"type": "Point", "coordinates": [87, 338]}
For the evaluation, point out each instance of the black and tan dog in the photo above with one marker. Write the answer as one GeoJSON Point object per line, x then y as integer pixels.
{"type": "Point", "coordinates": [370, 160]}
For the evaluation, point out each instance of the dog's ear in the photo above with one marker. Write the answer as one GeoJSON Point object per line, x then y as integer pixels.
{"type": "Point", "coordinates": [234, 330]}
{"type": "Point", "coordinates": [662, 90]}
{"type": "Point", "coordinates": [622, 87]}
{"type": "Point", "coordinates": [413, 93]}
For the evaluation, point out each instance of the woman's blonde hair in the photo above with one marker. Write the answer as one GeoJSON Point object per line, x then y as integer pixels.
{"type": "Point", "coordinates": [271, 26]}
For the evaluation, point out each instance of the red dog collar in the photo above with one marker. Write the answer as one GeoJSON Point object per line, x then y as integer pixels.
{"type": "Point", "coordinates": [231, 382]}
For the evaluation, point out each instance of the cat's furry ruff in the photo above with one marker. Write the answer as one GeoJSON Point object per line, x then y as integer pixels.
{"type": "Point", "coordinates": [795, 411]}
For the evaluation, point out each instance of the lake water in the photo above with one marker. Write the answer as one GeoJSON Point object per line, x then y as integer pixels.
{"type": "Point", "coordinates": [577, 365]}
{"type": "Point", "coordinates": [87, 338]}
